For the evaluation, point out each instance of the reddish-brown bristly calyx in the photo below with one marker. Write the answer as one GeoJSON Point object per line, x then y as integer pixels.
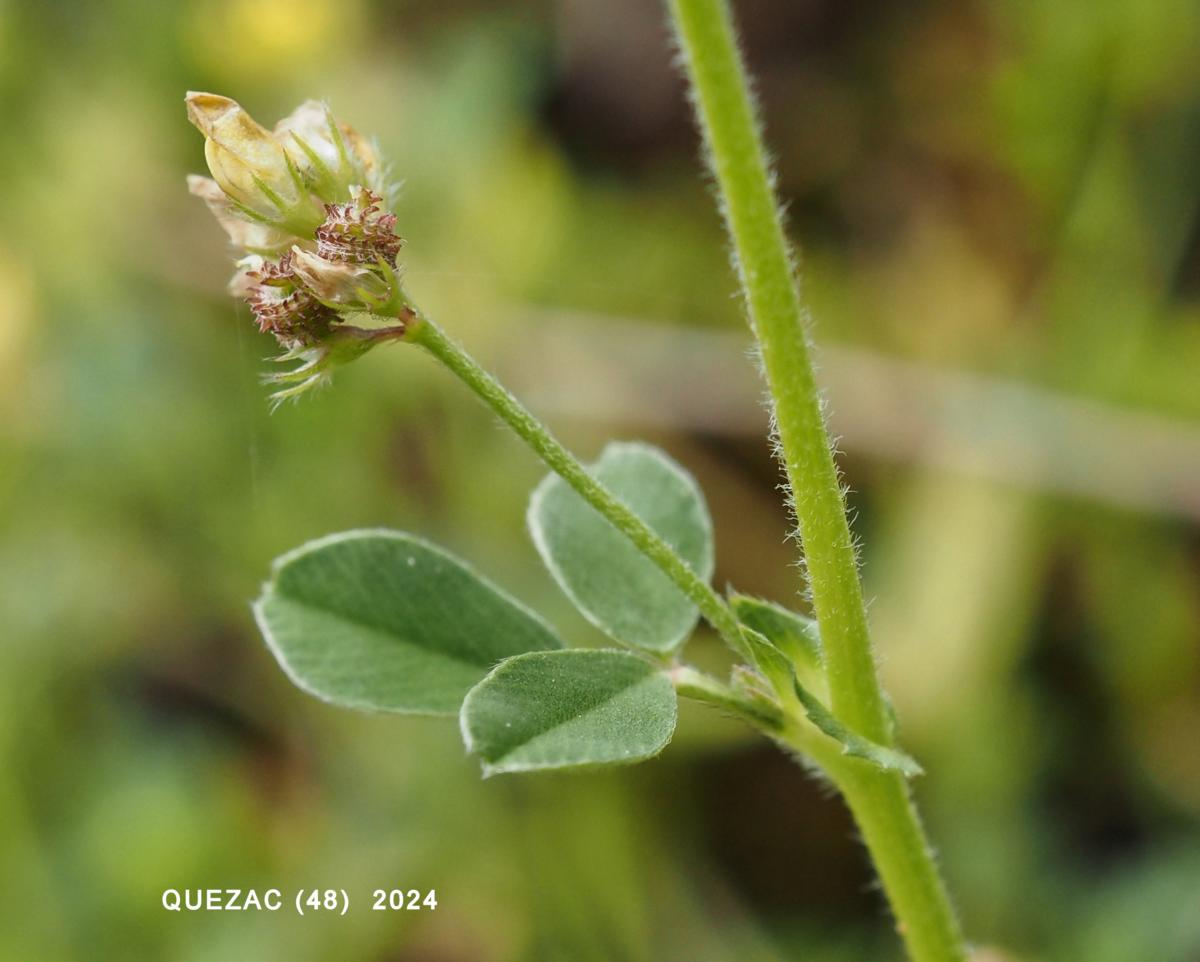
{"type": "Point", "coordinates": [304, 203]}
{"type": "Point", "coordinates": [284, 307]}
{"type": "Point", "coordinates": [360, 232]}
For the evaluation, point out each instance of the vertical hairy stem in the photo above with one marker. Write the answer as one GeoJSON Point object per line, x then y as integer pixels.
{"type": "Point", "coordinates": [892, 831]}
{"type": "Point", "coordinates": [768, 282]}
{"type": "Point", "coordinates": [879, 800]}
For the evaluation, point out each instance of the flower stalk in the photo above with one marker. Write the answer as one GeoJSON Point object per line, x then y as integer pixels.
{"type": "Point", "coordinates": [513, 413]}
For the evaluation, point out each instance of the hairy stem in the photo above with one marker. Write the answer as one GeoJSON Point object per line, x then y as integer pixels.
{"type": "Point", "coordinates": [431, 337]}
{"type": "Point", "coordinates": [768, 282]}
{"type": "Point", "coordinates": [879, 800]}
{"type": "Point", "coordinates": [886, 815]}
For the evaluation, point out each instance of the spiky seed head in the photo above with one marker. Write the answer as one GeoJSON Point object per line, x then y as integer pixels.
{"type": "Point", "coordinates": [360, 232]}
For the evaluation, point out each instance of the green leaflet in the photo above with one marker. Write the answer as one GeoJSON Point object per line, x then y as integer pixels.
{"type": "Point", "coordinates": [612, 583]}
{"type": "Point", "coordinates": [383, 620]}
{"type": "Point", "coordinates": [769, 661]}
{"type": "Point", "coordinates": [568, 709]}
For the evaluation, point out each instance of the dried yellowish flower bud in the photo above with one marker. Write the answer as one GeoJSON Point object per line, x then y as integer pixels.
{"type": "Point", "coordinates": [246, 160]}
{"type": "Point", "coordinates": [311, 125]}
{"type": "Point", "coordinates": [247, 234]}
{"type": "Point", "coordinates": [338, 284]}
{"type": "Point", "coordinates": [331, 157]}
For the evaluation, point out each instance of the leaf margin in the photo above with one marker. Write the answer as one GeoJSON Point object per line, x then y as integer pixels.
{"type": "Point", "coordinates": [308, 547]}
{"type": "Point", "coordinates": [705, 573]}
{"type": "Point", "coordinates": [491, 769]}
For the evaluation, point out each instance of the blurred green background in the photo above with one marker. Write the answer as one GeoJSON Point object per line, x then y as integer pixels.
{"type": "Point", "coordinates": [998, 203]}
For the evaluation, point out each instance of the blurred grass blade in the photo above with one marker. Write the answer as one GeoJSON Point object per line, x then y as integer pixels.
{"type": "Point", "coordinates": [382, 620]}
{"type": "Point", "coordinates": [569, 709]}
{"type": "Point", "coordinates": [615, 586]}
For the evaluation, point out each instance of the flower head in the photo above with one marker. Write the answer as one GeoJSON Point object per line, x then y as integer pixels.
{"type": "Point", "coordinates": [304, 204]}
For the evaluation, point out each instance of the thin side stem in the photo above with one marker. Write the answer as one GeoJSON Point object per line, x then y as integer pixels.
{"type": "Point", "coordinates": [879, 800]}
{"type": "Point", "coordinates": [431, 337]}
{"type": "Point", "coordinates": [763, 713]}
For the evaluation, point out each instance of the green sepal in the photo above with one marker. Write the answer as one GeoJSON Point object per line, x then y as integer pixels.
{"type": "Point", "coordinates": [795, 635]}
{"type": "Point", "coordinates": [772, 663]}
{"type": "Point", "coordinates": [888, 759]}
{"type": "Point", "coordinates": [325, 184]}
{"type": "Point", "coordinates": [774, 666]}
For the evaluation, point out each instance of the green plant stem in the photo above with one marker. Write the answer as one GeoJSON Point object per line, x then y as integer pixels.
{"type": "Point", "coordinates": [886, 815]}
{"type": "Point", "coordinates": [431, 337]}
{"type": "Point", "coordinates": [879, 800]}
{"type": "Point", "coordinates": [765, 268]}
